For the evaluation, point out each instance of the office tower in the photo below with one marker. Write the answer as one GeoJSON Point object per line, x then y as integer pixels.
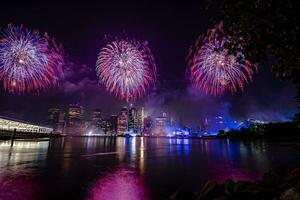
{"type": "Point", "coordinates": [148, 125]}
{"type": "Point", "coordinates": [75, 119]}
{"type": "Point", "coordinates": [133, 120]}
{"type": "Point", "coordinates": [96, 119]}
{"type": "Point", "coordinates": [141, 120]}
{"type": "Point", "coordinates": [122, 122]}
{"type": "Point", "coordinates": [53, 114]}
{"type": "Point", "coordinates": [113, 120]}
{"type": "Point", "coordinates": [104, 125]}
{"type": "Point", "coordinates": [53, 118]}
{"type": "Point", "coordinates": [61, 122]}
{"type": "Point", "coordinates": [161, 125]}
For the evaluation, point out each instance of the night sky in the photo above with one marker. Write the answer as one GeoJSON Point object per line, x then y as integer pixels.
{"type": "Point", "coordinates": [170, 29]}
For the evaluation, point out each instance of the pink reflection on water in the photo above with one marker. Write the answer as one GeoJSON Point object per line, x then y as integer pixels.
{"type": "Point", "coordinates": [229, 172]}
{"type": "Point", "coordinates": [18, 187]}
{"type": "Point", "coordinates": [122, 184]}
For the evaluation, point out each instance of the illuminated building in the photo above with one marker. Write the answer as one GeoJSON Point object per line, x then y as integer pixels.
{"type": "Point", "coordinates": [172, 122]}
{"type": "Point", "coordinates": [133, 120]}
{"type": "Point", "coordinates": [9, 124]}
{"type": "Point", "coordinates": [75, 113]}
{"type": "Point", "coordinates": [56, 119]}
{"type": "Point", "coordinates": [148, 125]}
{"type": "Point", "coordinates": [105, 125]}
{"type": "Point", "coordinates": [96, 118]}
{"type": "Point", "coordinates": [219, 124]}
{"type": "Point", "coordinates": [122, 122]}
{"type": "Point", "coordinates": [204, 126]}
{"type": "Point", "coordinates": [53, 117]}
{"type": "Point", "coordinates": [164, 114]}
{"type": "Point", "coordinates": [61, 122]}
{"type": "Point", "coordinates": [161, 125]}
{"type": "Point", "coordinates": [113, 120]}
{"type": "Point", "coordinates": [75, 119]}
{"type": "Point", "coordinates": [141, 120]}
{"type": "Point", "coordinates": [86, 125]}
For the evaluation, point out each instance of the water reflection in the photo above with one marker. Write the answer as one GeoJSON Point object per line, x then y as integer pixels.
{"type": "Point", "coordinates": [240, 160]}
{"type": "Point", "coordinates": [19, 186]}
{"type": "Point", "coordinates": [17, 178]}
{"type": "Point", "coordinates": [22, 152]}
{"type": "Point", "coordinates": [121, 149]}
{"type": "Point", "coordinates": [122, 184]}
{"type": "Point", "coordinates": [142, 156]}
{"type": "Point", "coordinates": [123, 166]}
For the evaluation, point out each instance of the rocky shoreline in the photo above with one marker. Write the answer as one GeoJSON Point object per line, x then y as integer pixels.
{"type": "Point", "coordinates": [281, 183]}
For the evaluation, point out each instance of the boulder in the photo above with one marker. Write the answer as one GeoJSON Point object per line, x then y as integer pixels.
{"type": "Point", "coordinates": [183, 194]}
{"type": "Point", "coordinates": [297, 185]}
{"type": "Point", "coordinates": [229, 186]}
{"type": "Point", "coordinates": [241, 196]}
{"type": "Point", "coordinates": [290, 194]}
{"type": "Point", "coordinates": [282, 171]}
{"type": "Point", "coordinates": [242, 186]}
{"type": "Point", "coordinates": [272, 178]}
{"type": "Point", "coordinates": [277, 183]}
{"type": "Point", "coordinates": [293, 176]}
{"type": "Point", "coordinates": [211, 190]}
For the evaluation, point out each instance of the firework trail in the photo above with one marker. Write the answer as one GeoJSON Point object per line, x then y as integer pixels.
{"type": "Point", "coordinates": [28, 62]}
{"type": "Point", "coordinates": [126, 68]}
{"type": "Point", "coordinates": [213, 68]}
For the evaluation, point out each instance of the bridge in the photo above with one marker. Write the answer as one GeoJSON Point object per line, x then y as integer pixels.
{"type": "Point", "coordinates": [23, 129]}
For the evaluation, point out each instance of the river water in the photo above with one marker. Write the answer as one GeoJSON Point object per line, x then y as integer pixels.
{"type": "Point", "coordinates": [93, 168]}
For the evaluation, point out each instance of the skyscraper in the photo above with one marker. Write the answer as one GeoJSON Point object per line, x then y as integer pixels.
{"type": "Point", "coordinates": [53, 115]}
{"type": "Point", "coordinates": [56, 119]}
{"type": "Point", "coordinates": [141, 120]}
{"type": "Point", "coordinates": [75, 119]}
{"type": "Point", "coordinates": [161, 125]}
{"type": "Point", "coordinates": [148, 125]}
{"type": "Point", "coordinates": [123, 122]}
{"type": "Point", "coordinates": [133, 120]}
{"type": "Point", "coordinates": [105, 125]}
{"type": "Point", "coordinates": [61, 122]}
{"type": "Point", "coordinates": [96, 119]}
{"type": "Point", "coordinates": [75, 112]}
{"type": "Point", "coordinates": [113, 120]}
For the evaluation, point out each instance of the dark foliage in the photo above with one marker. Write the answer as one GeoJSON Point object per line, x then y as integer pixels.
{"type": "Point", "coordinates": [271, 31]}
{"type": "Point", "coordinates": [287, 129]}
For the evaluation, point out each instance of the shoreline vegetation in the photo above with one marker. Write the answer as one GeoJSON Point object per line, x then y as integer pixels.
{"type": "Point", "coordinates": [281, 183]}
{"type": "Point", "coordinates": [289, 129]}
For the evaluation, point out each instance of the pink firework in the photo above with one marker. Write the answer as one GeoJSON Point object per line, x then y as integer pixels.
{"type": "Point", "coordinates": [28, 61]}
{"type": "Point", "coordinates": [213, 68]}
{"type": "Point", "coordinates": [126, 68]}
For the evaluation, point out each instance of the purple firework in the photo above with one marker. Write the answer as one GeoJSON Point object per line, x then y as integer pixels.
{"type": "Point", "coordinates": [213, 68]}
{"type": "Point", "coordinates": [126, 68]}
{"type": "Point", "coordinates": [28, 61]}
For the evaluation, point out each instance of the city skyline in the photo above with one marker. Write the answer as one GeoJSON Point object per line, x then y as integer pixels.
{"type": "Point", "coordinates": [135, 121]}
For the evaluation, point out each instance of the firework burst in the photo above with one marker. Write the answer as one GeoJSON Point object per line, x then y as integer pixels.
{"type": "Point", "coordinates": [213, 68]}
{"type": "Point", "coordinates": [126, 68]}
{"type": "Point", "coordinates": [28, 61]}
